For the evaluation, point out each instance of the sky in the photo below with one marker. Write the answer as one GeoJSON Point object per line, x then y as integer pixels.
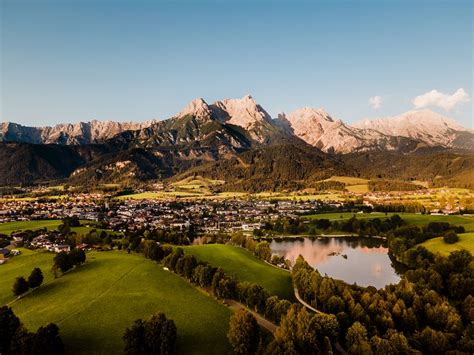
{"type": "Point", "coordinates": [77, 60]}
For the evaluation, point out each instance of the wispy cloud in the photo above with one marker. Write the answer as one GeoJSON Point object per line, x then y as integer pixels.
{"type": "Point", "coordinates": [375, 102]}
{"type": "Point", "coordinates": [438, 99]}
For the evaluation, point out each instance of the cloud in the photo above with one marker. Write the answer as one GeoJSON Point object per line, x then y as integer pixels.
{"type": "Point", "coordinates": [438, 99]}
{"type": "Point", "coordinates": [375, 102]}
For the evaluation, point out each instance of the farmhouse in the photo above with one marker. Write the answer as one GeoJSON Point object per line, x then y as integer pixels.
{"type": "Point", "coordinates": [4, 254]}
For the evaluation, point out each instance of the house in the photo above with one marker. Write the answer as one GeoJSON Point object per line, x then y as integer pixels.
{"type": "Point", "coordinates": [4, 254]}
{"type": "Point", "coordinates": [83, 246]}
{"type": "Point", "coordinates": [62, 247]}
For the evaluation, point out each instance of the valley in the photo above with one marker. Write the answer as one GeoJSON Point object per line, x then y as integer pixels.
{"type": "Point", "coordinates": [236, 177]}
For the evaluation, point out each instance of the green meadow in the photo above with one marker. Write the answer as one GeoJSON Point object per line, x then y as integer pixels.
{"type": "Point", "coordinates": [437, 245]}
{"type": "Point", "coordinates": [9, 227]}
{"type": "Point", "coordinates": [93, 304]}
{"type": "Point", "coordinates": [245, 267]}
{"type": "Point", "coordinates": [22, 265]}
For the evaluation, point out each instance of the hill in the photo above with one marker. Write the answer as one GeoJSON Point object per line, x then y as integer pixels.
{"type": "Point", "coordinates": [245, 267]}
{"type": "Point", "coordinates": [440, 168]}
{"type": "Point", "coordinates": [287, 166]}
{"type": "Point", "coordinates": [240, 136]}
{"type": "Point", "coordinates": [121, 288]}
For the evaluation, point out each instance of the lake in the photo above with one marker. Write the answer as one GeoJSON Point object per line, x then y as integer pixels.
{"type": "Point", "coordinates": [364, 261]}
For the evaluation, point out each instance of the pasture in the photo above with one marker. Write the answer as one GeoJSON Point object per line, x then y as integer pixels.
{"type": "Point", "coordinates": [93, 304]}
{"type": "Point", "coordinates": [9, 227]}
{"type": "Point", "coordinates": [50, 224]}
{"type": "Point", "coordinates": [245, 267]}
{"type": "Point", "coordinates": [22, 265]}
{"type": "Point", "coordinates": [437, 245]}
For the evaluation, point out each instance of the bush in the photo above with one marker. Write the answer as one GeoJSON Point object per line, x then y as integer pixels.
{"type": "Point", "coordinates": [20, 286]}
{"type": "Point", "coordinates": [450, 237]}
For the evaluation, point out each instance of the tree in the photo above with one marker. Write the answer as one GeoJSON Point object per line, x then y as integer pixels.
{"type": "Point", "coordinates": [256, 297]}
{"type": "Point", "coordinates": [154, 336]}
{"type": "Point", "coordinates": [22, 341]}
{"type": "Point", "coordinates": [134, 338]}
{"type": "Point", "coordinates": [72, 221]}
{"type": "Point", "coordinates": [357, 341]}
{"type": "Point", "coordinates": [263, 251]}
{"type": "Point", "coordinates": [450, 237]}
{"type": "Point", "coordinates": [47, 341]}
{"type": "Point", "coordinates": [77, 256]}
{"type": "Point", "coordinates": [64, 229]}
{"type": "Point", "coordinates": [160, 334]}
{"type": "Point", "coordinates": [36, 278]}
{"type": "Point", "coordinates": [244, 333]}
{"type": "Point", "coordinates": [9, 323]}
{"type": "Point", "coordinates": [20, 286]}
{"type": "Point", "coordinates": [432, 341]}
{"type": "Point", "coordinates": [62, 261]}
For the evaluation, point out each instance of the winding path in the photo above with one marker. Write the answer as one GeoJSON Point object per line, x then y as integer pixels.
{"type": "Point", "coordinates": [264, 323]}
{"type": "Point", "coordinates": [300, 300]}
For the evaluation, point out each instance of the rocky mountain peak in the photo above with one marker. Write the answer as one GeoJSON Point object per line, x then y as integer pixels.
{"type": "Point", "coordinates": [310, 115]}
{"type": "Point", "coordinates": [428, 126]}
{"type": "Point", "coordinates": [197, 108]}
{"type": "Point", "coordinates": [244, 112]}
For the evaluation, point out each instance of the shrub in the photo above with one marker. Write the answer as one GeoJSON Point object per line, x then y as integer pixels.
{"type": "Point", "coordinates": [450, 237]}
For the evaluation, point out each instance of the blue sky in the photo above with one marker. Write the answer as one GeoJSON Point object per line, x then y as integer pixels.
{"type": "Point", "coordinates": [67, 61]}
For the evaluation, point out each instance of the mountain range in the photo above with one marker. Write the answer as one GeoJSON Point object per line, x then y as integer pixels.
{"type": "Point", "coordinates": [233, 137]}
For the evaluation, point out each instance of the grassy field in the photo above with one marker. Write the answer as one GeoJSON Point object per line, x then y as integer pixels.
{"type": "Point", "coordinates": [348, 180]}
{"type": "Point", "coordinates": [437, 245]}
{"type": "Point", "coordinates": [22, 265]}
{"type": "Point", "coordinates": [93, 304]}
{"type": "Point", "coordinates": [301, 196]}
{"type": "Point", "coordinates": [9, 227]}
{"type": "Point", "coordinates": [159, 195]}
{"type": "Point", "coordinates": [362, 188]}
{"type": "Point", "coordinates": [245, 266]}
{"type": "Point", "coordinates": [187, 193]}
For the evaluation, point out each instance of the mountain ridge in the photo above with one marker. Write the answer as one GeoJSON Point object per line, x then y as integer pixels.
{"type": "Point", "coordinates": [406, 132]}
{"type": "Point", "coordinates": [216, 136]}
{"type": "Point", "coordinates": [425, 125]}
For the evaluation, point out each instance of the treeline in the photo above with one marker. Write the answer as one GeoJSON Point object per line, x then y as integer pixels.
{"type": "Point", "coordinates": [261, 249]}
{"type": "Point", "coordinates": [393, 185]}
{"type": "Point", "coordinates": [132, 240]}
{"type": "Point", "coordinates": [353, 225]}
{"type": "Point", "coordinates": [328, 185]}
{"type": "Point", "coordinates": [16, 339]}
{"type": "Point", "coordinates": [452, 277]}
{"type": "Point", "coordinates": [402, 240]}
{"type": "Point", "coordinates": [412, 207]}
{"type": "Point", "coordinates": [430, 310]}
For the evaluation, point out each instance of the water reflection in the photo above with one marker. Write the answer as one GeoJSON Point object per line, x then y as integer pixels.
{"type": "Point", "coordinates": [364, 261]}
